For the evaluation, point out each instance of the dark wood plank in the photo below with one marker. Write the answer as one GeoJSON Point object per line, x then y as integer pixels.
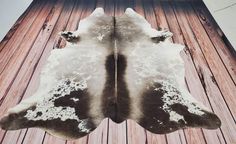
{"type": "Point", "coordinates": [100, 3]}
{"type": "Point", "coordinates": [110, 7]}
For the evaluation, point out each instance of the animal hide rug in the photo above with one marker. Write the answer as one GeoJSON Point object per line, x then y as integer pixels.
{"type": "Point", "coordinates": [112, 67]}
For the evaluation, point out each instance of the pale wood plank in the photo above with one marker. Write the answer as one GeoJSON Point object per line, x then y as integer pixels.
{"type": "Point", "coordinates": [33, 136]}
{"type": "Point", "coordinates": [49, 139]}
{"type": "Point", "coordinates": [117, 133]}
{"type": "Point", "coordinates": [156, 139]}
{"type": "Point", "coordinates": [135, 133]}
{"type": "Point", "coordinates": [14, 137]}
{"type": "Point", "coordinates": [83, 140]}
{"type": "Point", "coordinates": [100, 134]}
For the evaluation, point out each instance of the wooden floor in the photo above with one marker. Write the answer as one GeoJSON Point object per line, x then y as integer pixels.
{"type": "Point", "coordinates": [210, 66]}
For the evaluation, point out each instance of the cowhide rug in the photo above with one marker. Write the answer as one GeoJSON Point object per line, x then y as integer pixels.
{"type": "Point", "coordinates": [115, 67]}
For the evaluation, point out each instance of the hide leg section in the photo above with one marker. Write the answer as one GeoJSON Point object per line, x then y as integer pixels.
{"type": "Point", "coordinates": [64, 113]}
{"type": "Point", "coordinates": [165, 111]}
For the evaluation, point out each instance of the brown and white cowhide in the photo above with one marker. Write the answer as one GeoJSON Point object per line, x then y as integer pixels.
{"type": "Point", "coordinates": [115, 67]}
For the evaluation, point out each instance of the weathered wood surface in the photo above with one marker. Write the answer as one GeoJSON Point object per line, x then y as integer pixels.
{"type": "Point", "coordinates": [210, 66]}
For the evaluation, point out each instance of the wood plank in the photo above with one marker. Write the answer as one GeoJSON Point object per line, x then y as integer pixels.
{"type": "Point", "coordinates": [100, 134]}
{"type": "Point", "coordinates": [49, 139]}
{"type": "Point", "coordinates": [31, 61]}
{"type": "Point", "coordinates": [220, 74]}
{"type": "Point", "coordinates": [155, 139]}
{"type": "Point", "coordinates": [138, 7]}
{"type": "Point", "coordinates": [83, 140]}
{"type": "Point", "coordinates": [109, 7]}
{"type": "Point", "coordinates": [214, 95]}
{"type": "Point", "coordinates": [10, 100]}
{"type": "Point", "coordinates": [117, 133]}
{"type": "Point", "coordinates": [160, 15]}
{"type": "Point", "coordinates": [18, 58]}
{"type": "Point", "coordinates": [135, 133]}
{"type": "Point", "coordinates": [149, 13]}
{"type": "Point", "coordinates": [8, 50]}
{"type": "Point", "coordinates": [13, 137]}
{"type": "Point", "coordinates": [210, 26]}
{"type": "Point", "coordinates": [73, 22]}
{"type": "Point", "coordinates": [33, 136]}
{"type": "Point", "coordinates": [17, 24]}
